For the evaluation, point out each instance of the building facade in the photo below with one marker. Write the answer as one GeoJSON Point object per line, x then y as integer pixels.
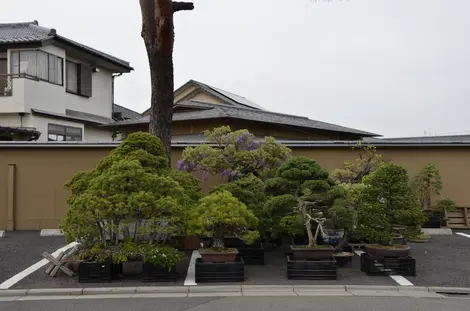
{"type": "Point", "coordinates": [55, 89]}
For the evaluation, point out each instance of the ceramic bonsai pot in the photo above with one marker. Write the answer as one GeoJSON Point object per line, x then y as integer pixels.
{"type": "Point", "coordinates": [209, 255]}
{"type": "Point", "coordinates": [302, 252]}
{"type": "Point", "coordinates": [380, 251]}
{"type": "Point", "coordinates": [332, 237]}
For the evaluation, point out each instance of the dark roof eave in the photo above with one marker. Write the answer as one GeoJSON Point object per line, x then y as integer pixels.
{"type": "Point", "coordinates": [78, 46]}
{"type": "Point", "coordinates": [69, 118]}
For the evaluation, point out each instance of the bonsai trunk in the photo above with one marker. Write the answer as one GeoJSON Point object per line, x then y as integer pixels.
{"type": "Point", "coordinates": [311, 238]}
{"type": "Point", "coordinates": [218, 240]}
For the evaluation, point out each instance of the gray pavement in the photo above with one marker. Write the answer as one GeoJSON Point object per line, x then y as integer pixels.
{"type": "Point", "coordinates": [244, 304]}
{"type": "Point", "coordinates": [21, 249]}
{"type": "Point", "coordinates": [442, 262]}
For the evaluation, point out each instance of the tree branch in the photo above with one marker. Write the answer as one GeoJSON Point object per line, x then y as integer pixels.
{"type": "Point", "coordinates": [182, 6]}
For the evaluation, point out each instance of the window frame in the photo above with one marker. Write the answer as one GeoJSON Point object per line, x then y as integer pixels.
{"type": "Point", "coordinates": [63, 133]}
{"type": "Point", "coordinates": [79, 77]}
{"type": "Point", "coordinates": [37, 52]}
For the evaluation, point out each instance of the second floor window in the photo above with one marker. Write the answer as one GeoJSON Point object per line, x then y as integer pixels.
{"type": "Point", "coordinates": [56, 132]}
{"type": "Point", "coordinates": [79, 79]}
{"type": "Point", "coordinates": [39, 64]}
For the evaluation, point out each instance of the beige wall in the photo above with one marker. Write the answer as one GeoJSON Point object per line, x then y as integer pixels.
{"type": "Point", "coordinates": [39, 196]}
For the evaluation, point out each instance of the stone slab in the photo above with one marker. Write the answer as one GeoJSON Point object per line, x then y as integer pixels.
{"type": "Point", "coordinates": [51, 232]}
{"type": "Point", "coordinates": [437, 231]}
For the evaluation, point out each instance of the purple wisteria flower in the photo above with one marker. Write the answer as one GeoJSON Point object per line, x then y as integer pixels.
{"type": "Point", "coordinates": [179, 165]}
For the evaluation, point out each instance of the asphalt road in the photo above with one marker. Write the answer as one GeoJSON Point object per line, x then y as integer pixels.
{"type": "Point", "coordinates": [244, 304]}
{"type": "Point", "coordinates": [21, 249]}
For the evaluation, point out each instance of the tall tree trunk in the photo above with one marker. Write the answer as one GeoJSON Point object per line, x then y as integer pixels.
{"type": "Point", "coordinates": [158, 35]}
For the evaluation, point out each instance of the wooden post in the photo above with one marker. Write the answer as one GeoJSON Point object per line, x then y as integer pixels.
{"type": "Point", "coordinates": [11, 197]}
{"type": "Point", "coordinates": [465, 214]}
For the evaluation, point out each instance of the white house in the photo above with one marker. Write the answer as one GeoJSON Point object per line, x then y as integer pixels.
{"type": "Point", "coordinates": [55, 89]}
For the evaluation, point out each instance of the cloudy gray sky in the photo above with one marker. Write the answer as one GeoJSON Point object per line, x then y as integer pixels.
{"type": "Point", "coordinates": [394, 67]}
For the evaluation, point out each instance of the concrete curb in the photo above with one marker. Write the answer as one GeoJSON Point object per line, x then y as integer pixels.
{"type": "Point", "coordinates": [236, 290]}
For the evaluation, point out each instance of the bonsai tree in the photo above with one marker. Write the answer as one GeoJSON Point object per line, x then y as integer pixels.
{"type": "Point", "coordinates": [234, 154]}
{"type": "Point", "coordinates": [387, 200]}
{"type": "Point", "coordinates": [220, 214]}
{"type": "Point", "coordinates": [131, 188]}
{"type": "Point", "coordinates": [427, 183]}
{"type": "Point", "coordinates": [306, 183]}
{"type": "Point", "coordinates": [353, 171]}
{"type": "Point", "coordinates": [250, 191]}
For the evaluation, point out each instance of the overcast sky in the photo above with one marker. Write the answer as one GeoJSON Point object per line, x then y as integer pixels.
{"type": "Point", "coordinates": [393, 67]}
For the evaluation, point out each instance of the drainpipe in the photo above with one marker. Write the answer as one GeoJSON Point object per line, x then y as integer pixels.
{"type": "Point", "coordinates": [114, 135]}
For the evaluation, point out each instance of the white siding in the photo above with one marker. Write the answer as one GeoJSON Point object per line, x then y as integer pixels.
{"type": "Point", "coordinates": [41, 124]}
{"type": "Point", "coordinates": [97, 134]}
{"type": "Point", "coordinates": [100, 103]}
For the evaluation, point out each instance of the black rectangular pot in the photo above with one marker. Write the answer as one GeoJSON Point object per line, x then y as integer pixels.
{"type": "Point", "coordinates": [311, 269]}
{"type": "Point", "coordinates": [93, 272]}
{"type": "Point", "coordinates": [220, 271]}
{"type": "Point", "coordinates": [434, 221]}
{"type": "Point", "coordinates": [155, 273]}
{"type": "Point", "coordinates": [252, 254]}
{"type": "Point", "coordinates": [386, 266]}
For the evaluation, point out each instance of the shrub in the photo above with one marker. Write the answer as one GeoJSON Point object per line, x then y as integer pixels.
{"type": "Point", "coordinates": [131, 187]}
{"type": "Point", "coordinates": [220, 214]}
{"type": "Point", "coordinates": [388, 200]}
{"type": "Point", "coordinates": [426, 183]}
{"type": "Point", "coordinates": [161, 255]}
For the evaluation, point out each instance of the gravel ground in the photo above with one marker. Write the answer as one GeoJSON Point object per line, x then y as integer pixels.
{"type": "Point", "coordinates": [442, 262]}
{"type": "Point", "coordinates": [21, 249]}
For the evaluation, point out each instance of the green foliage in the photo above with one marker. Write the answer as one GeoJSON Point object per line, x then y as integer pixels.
{"type": "Point", "coordinates": [221, 214]}
{"type": "Point", "coordinates": [276, 208]}
{"type": "Point", "coordinates": [446, 205]}
{"type": "Point", "coordinates": [339, 217]}
{"type": "Point", "coordinates": [161, 255]}
{"type": "Point", "coordinates": [387, 200]}
{"type": "Point", "coordinates": [302, 182]}
{"type": "Point", "coordinates": [131, 187]}
{"type": "Point", "coordinates": [374, 225]}
{"type": "Point", "coordinates": [426, 183]}
{"type": "Point", "coordinates": [354, 171]}
{"type": "Point", "coordinates": [292, 225]}
{"type": "Point", "coordinates": [235, 154]}
{"type": "Point", "coordinates": [250, 191]}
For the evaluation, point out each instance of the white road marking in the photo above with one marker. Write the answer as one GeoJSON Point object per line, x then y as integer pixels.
{"type": "Point", "coordinates": [38, 265]}
{"type": "Point", "coordinates": [463, 234]}
{"type": "Point", "coordinates": [359, 252]}
{"type": "Point", "coordinates": [191, 274]}
{"type": "Point", "coordinates": [401, 280]}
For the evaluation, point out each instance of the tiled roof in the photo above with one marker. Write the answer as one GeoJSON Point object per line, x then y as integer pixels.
{"type": "Point", "coordinates": [29, 32]}
{"type": "Point", "coordinates": [227, 111]}
{"type": "Point", "coordinates": [126, 112]}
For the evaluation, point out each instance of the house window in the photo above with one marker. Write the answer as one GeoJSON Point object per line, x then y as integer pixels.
{"type": "Point", "coordinates": [44, 66]}
{"type": "Point", "coordinates": [57, 132]}
{"type": "Point", "coordinates": [79, 79]}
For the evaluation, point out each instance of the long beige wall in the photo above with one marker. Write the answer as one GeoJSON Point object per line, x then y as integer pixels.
{"type": "Point", "coordinates": [39, 175]}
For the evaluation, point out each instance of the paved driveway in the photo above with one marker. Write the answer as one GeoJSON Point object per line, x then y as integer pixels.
{"type": "Point", "coordinates": [21, 249]}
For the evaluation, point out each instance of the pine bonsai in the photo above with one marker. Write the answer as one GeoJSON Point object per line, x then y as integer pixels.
{"type": "Point", "coordinates": [303, 181]}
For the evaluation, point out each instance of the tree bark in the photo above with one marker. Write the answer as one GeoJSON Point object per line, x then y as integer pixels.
{"type": "Point", "coordinates": [158, 36]}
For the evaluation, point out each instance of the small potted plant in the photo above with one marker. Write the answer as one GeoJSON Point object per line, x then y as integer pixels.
{"type": "Point", "coordinates": [159, 262]}
{"type": "Point", "coordinates": [218, 215]}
